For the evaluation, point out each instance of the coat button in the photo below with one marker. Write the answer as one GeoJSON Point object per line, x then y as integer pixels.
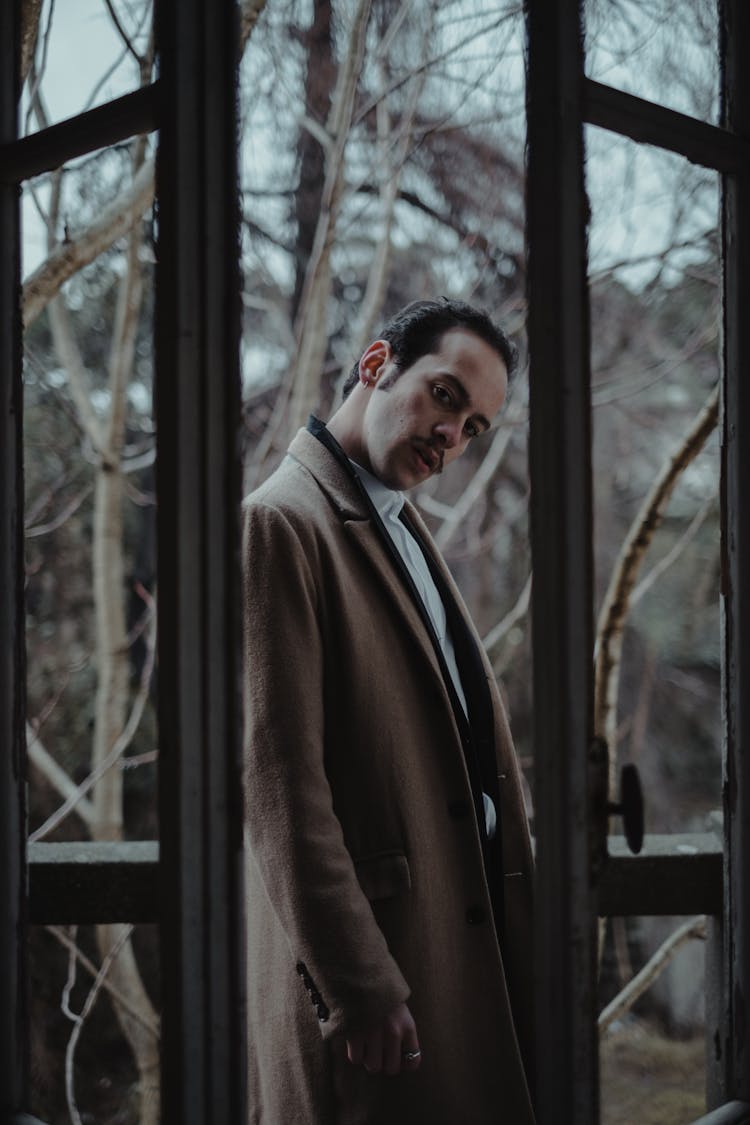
{"type": "Point", "coordinates": [459, 810]}
{"type": "Point", "coordinates": [322, 1012]}
{"type": "Point", "coordinates": [475, 915]}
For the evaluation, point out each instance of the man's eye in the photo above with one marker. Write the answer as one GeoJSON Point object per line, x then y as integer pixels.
{"type": "Point", "coordinates": [472, 429]}
{"type": "Point", "coordinates": [443, 395]}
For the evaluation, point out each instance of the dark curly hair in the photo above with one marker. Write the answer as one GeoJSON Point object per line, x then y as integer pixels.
{"type": "Point", "coordinates": [418, 329]}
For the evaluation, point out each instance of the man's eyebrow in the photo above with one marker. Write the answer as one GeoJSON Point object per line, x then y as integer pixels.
{"type": "Point", "coordinates": [465, 397]}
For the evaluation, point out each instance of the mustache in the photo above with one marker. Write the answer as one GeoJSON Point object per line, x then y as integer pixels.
{"type": "Point", "coordinates": [433, 451]}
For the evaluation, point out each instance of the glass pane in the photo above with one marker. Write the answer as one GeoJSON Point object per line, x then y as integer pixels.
{"type": "Point", "coordinates": [87, 53]}
{"type": "Point", "coordinates": [653, 1052]}
{"type": "Point", "coordinates": [666, 51]}
{"type": "Point", "coordinates": [431, 203]}
{"type": "Point", "coordinates": [655, 325]}
{"type": "Point", "coordinates": [90, 509]}
{"type": "Point", "coordinates": [655, 304]}
{"type": "Point", "coordinates": [91, 569]}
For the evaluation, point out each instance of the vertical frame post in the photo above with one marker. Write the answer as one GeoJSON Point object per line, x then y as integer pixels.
{"type": "Point", "coordinates": [197, 336]}
{"type": "Point", "coordinates": [12, 678]}
{"type": "Point", "coordinates": [735, 438]}
{"type": "Point", "coordinates": [561, 525]}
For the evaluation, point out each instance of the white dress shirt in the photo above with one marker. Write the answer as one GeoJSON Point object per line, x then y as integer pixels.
{"type": "Point", "coordinates": [388, 503]}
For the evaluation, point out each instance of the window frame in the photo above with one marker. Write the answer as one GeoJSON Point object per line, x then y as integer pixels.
{"type": "Point", "coordinates": [191, 884]}
{"type": "Point", "coordinates": [574, 870]}
{"type": "Point", "coordinates": [197, 869]}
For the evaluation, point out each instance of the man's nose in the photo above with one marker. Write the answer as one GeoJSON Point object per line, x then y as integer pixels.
{"type": "Point", "coordinates": [448, 433]}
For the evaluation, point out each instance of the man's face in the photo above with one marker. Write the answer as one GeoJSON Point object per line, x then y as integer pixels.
{"type": "Point", "coordinates": [426, 417]}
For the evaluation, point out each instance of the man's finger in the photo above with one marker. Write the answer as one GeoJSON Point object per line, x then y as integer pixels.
{"type": "Point", "coordinates": [392, 1046]}
{"type": "Point", "coordinates": [355, 1048]}
{"type": "Point", "coordinates": [411, 1055]}
{"type": "Point", "coordinates": [373, 1051]}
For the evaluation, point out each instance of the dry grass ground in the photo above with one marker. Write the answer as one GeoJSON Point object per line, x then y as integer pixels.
{"type": "Point", "coordinates": [647, 1079]}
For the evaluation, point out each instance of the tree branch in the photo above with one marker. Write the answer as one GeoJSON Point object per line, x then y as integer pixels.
{"type": "Point", "coordinates": [56, 775]}
{"type": "Point", "coordinates": [299, 387]}
{"type": "Point", "coordinates": [672, 555]}
{"type": "Point", "coordinates": [122, 349]}
{"type": "Point", "coordinates": [390, 168]}
{"type": "Point", "coordinates": [60, 935]}
{"type": "Point", "coordinates": [428, 63]}
{"type": "Point", "coordinates": [617, 599]}
{"type": "Point", "coordinates": [115, 221]}
{"type": "Point", "coordinates": [36, 74]}
{"type": "Point", "coordinates": [475, 238]}
{"type": "Point", "coordinates": [31, 10]}
{"type": "Point", "coordinates": [118, 749]}
{"type": "Point", "coordinates": [694, 928]}
{"type": "Point", "coordinates": [53, 524]}
{"type": "Point", "coordinates": [514, 615]}
{"type": "Point", "coordinates": [122, 32]}
{"type": "Point", "coordinates": [480, 480]}
{"type": "Point", "coordinates": [79, 1020]}
{"type": "Point", "coordinates": [250, 12]}
{"type": "Point", "coordinates": [71, 361]}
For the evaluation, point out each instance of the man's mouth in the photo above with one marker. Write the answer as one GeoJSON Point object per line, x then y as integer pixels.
{"type": "Point", "coordinates": [431, 457]}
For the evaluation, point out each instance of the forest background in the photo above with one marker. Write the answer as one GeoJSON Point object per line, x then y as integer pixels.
{"type": "Point", "coordinates": [382, 159]}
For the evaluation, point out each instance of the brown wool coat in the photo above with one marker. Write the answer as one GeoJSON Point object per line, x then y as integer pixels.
{"type": "Point", "coordinates": [360, 874]}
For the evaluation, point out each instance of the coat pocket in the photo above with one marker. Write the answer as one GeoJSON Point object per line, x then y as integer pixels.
{"type": "Point", "coordinates": [384, 875]}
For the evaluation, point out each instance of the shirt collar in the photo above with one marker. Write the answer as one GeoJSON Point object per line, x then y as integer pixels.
{"type": "Point", "coordinates": [387, 501]}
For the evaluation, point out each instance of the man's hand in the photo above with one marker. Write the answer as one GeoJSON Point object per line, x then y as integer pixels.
{"type": "Point", "coordinates": [389, 1046]}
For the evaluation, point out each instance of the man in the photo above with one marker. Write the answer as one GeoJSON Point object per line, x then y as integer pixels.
{"type": "Point", "coordinates": [389, 872]}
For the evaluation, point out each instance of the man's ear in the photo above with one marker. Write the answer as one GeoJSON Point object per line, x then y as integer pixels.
{"type": "Point", "coordinates": [374, 360]}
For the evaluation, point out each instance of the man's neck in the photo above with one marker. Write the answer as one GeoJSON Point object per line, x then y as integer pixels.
{"type": "Point", "coordinates": [346, 427]}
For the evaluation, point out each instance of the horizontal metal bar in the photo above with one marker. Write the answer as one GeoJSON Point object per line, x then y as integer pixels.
{"type": "Point", "coordinates": [115, 121]}
{"type": "Point", "coordinates": [118, 882]}
{"type": "Point", "coordinates": [93, 882]}
{"type": "Point", "coordinates": [653, 124]}
{"type": "Point", "coordinates": [733, 1113]}
{"type": "Point", "coordinates": [678, 874]}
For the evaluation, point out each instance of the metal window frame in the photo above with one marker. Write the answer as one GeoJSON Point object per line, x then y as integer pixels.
{"type": "Point", "coordinates": [13, 1058]}
{"type": "Point", "coordinates": [562, 614]}
{"type": "Point", "coordinates": [195, 873]}
{"type": "Point", "coordinates": [735, 502]}
{"type": "Point", "coordinates": [198, 483]}
{"type": "Point", "coordinates": [568, 797]}
{"type": "Point", "coordinates": [96, 128]}
{"type": "Point", "coordinates": [198, 886]}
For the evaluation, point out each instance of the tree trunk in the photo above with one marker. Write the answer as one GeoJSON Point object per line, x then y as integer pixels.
{"type": "Point", "coordinates": [113, 668]}
{"type": "Point", "coordinates": [319, 81]}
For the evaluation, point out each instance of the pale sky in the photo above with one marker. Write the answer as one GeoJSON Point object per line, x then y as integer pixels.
{"type": "Point", "coordinates": [631, 208]}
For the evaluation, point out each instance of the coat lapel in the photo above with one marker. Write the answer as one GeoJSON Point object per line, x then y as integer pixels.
{"type": "Point", "coordinates": [363, 526]}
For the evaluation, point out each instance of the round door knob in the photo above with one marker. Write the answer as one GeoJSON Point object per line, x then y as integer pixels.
{"type": "Point", "coordinates": [630, 807]}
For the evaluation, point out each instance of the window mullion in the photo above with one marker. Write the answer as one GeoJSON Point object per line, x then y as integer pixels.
{"type": "Point", "coordinates": [13, 1070]}
{"type": "Point", "coordinates": [106, 125]}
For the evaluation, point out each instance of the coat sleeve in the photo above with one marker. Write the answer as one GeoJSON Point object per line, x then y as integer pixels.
{"type": "Point", "coordinates": [294, 835]}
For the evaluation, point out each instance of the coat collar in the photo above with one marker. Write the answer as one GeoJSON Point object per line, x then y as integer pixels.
{"type": "Point", "coordinates": [326, 461]}
{"type": "Point", "coordinates": [318, 451]}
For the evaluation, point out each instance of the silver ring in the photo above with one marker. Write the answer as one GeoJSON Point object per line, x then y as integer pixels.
{"type": "Point", "coordinates": [411, 1056]}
